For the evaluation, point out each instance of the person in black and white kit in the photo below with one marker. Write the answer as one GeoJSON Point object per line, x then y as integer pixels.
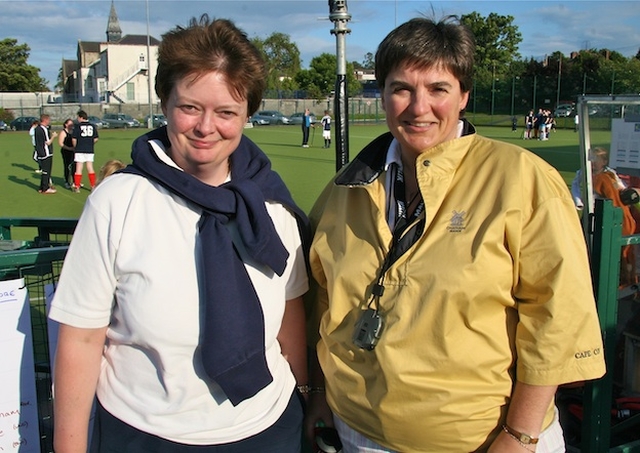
{"type": "Point", "coordinates": [85, 135]}
{"type": "Point", "coordinates": [326, 128]}
{"type": "Point", "coordinates": [44, 155]}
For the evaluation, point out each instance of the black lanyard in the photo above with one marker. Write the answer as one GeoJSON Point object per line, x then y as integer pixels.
{"type": "Point", "coordinates": [405, 234]}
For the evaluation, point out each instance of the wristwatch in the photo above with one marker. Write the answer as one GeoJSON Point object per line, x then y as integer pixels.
{"type": "Point", "coordinates": [520, 437]}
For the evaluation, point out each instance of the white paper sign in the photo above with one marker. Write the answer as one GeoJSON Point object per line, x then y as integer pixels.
{"type": "Point", "coordinates": [625, 144]}
{"type": "Point", "coordinates": [19, 430]}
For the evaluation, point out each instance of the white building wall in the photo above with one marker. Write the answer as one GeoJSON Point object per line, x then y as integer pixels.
{"type": "Point", "coordinates": [124, 66]}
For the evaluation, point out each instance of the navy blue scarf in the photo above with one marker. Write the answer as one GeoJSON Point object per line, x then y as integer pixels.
{"type": "Point", "coordinates": [232, 340]}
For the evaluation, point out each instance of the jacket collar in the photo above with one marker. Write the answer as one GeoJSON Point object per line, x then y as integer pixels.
{"type": "Point", "coordinates": [370, 162]}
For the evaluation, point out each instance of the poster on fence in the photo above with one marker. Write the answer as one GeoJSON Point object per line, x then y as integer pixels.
{"type": "Point", "coordinates": [19, 430]}
{"type": "Point", "coordinates": [625, 145]}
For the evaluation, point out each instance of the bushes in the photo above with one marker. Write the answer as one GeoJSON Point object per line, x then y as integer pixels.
{"type": "Point", "coordinates": [6, 115]}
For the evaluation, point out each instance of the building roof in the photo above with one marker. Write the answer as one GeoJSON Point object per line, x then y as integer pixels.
{"type": "Point", "coordinates": [138, 40]}
{"type": "Point", "coordinates": [68, 66]}
{"type": "Point", "coordinates": [89, 46]}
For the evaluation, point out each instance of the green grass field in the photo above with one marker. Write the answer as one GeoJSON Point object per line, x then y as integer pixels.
{"type": "Point", "coordinates": [305, 170]}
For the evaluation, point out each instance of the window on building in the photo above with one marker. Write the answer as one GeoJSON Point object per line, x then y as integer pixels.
{"type": "Point", "coordinates": [90, 82]}
{"type": "Point", "coordinates": [131, 91]}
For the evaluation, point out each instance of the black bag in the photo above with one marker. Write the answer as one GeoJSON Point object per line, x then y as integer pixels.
{"type": "Point", "coordinates": [629, 196]}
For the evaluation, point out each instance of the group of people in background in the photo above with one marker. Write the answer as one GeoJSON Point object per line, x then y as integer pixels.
{"type": "Point", "coordinates": [77, 146]}
{"type": "Point", "coordinates": [325, 121]}
{"type": "Point", "coordinates": [445, 275]}
{"type": "Point", "coordinates": [538, 126]}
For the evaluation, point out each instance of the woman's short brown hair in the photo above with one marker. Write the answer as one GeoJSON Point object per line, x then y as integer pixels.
{"type": "Point", "coordinates": [211, 45]}
{"type": "Point", "coordinates": [424, 43]}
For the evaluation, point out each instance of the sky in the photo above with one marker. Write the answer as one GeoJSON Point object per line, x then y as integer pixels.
{"type": "Point", "coordinates": [52, 28]}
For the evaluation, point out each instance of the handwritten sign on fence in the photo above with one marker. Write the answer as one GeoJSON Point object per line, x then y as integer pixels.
{"type": "Point", "coordinates": [18, 400]}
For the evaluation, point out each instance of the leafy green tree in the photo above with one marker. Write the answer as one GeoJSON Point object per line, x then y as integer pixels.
{"type": "Point", "coordinates": [625, 77]}
{"type": "Point", "coordinates": [15, 73]}
{"type": "Point", "coordinates": [282, 58]}
{"type": "Point", "coordinates": [369, 61]}
{"type": "Point", "coordinates": [583, 71]}
{"type": "Point", "coordinates": [497, 40]}
{"type": "Point", "coordinates": [319, 79]}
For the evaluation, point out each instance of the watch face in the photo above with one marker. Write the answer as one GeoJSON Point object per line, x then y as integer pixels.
{"type": "Point", "coordinates": [525, 439]}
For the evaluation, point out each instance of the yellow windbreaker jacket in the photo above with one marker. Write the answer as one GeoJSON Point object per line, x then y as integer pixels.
{"type": "Point", "coordinates": [497, 288]}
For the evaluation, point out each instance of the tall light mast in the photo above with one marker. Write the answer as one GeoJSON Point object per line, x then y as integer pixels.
{"type": "Point", "coordinates": [339, 15]}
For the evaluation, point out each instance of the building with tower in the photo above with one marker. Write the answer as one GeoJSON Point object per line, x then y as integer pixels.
{"type": "Point", "coordinates": [115, 71]}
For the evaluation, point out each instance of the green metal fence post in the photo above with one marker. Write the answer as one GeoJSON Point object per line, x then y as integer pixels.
{"type": "Point", "coordinates": [607, 233]}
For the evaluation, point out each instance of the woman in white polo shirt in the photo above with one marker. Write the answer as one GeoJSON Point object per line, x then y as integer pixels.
{"type": "Point", "coordinates": [180, 297]}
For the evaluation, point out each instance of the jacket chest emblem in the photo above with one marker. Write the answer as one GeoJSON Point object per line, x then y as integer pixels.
{"type": "Point", "coordinates": [458, 222]}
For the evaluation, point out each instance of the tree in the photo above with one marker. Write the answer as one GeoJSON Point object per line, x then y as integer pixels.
{"type": "Point", "coordinates": [369, 61]}
{"type": "Point", "coordinates": [15, 73]}
{"type": "Point", "coordinates": [60, 81]}
{"type": "Point", "coordinates": [497, 42]}
{"type": "Point", "coordinates": [319, 79]}
{"type": "Point", "coordinates": [282, 58]}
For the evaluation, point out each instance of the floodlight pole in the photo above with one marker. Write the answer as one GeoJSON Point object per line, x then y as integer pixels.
{"type": "Point", "coordinates": [339, 15]}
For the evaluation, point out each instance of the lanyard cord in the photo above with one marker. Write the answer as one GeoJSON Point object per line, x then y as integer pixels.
{"type": "Point", "coordinates": [405, 234]}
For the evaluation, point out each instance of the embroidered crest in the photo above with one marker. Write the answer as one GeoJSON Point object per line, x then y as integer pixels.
{"type": "Point", "coordinates": [457, 223]}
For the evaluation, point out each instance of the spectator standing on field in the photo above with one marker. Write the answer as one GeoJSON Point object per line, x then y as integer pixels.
{"type": "Point", "coordinates": [326, 128]}
{"type": "Point", "coordinates": [44, 153]}
{"type": "Point", "coordinates": [85, 136]}
{"type": "Point", "coordinates": [528, 124]}
{"type": "Point", "coordinates": [65, 140]}
{"type": "Point", "coordinates": [306, 124]}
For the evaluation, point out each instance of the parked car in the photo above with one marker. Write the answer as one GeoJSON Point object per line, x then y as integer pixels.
{"type": "Point", "coordinates": [97, 122]}
{"type": "Point", "coordinates": [119, 120]}
{"type": "Point", "coordinates": [563, 110]}
{"type": "Point", "coordinates": [258, 120]}
{"type": "Point", "coordinates": [272, 116]}
{"type": "Point", "coordinates": [296, 118]}
{"type": "Point", "coordinates": [22, 123]}
{"type": "Point", "coordinates": [3, 126]}
{"type": "Point", "coordinates": [159, 120]}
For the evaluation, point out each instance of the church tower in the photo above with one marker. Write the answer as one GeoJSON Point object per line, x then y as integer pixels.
{"type": "Point", "coordinates": [114, 32]}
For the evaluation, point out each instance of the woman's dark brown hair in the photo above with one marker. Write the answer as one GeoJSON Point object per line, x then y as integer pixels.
{"type": "Point", "coordinates": [423, 43]}
{"type": "Point", "coordinates": [211, 45]}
